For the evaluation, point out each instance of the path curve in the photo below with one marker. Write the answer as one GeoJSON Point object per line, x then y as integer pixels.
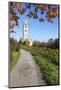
{"type": "Point", "coordinates": [26, 72]}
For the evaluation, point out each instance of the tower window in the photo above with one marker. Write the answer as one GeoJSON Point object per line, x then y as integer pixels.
{"type": "Point", "coordinates": [25, 26]}
{"type": "Point", "coordinates": [25, 30]}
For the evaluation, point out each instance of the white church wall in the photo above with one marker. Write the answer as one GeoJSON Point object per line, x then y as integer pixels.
{"type": "Point", "coordinates": [26, 33]}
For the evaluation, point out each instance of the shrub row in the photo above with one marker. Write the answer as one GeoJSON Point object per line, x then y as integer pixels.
{"type": "Point", "coordinates": [50, 54]}
{"type": "Point", "coordinates": [49, 69]}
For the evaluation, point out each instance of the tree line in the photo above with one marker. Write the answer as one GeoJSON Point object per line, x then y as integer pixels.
{"type": "Point", "coordinates": [50, 44]}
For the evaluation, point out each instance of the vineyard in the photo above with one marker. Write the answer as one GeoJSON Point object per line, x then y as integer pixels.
{"type": "Point", "coordinates": [48, 60]}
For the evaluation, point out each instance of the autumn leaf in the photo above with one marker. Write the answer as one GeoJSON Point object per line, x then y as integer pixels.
{"type": "Point", "coordinates": [41, 20]}
{"type": "Point", "coordinates": [52, 11]}
{"type": "Point", "coordinates": [35, 15]}
{"type": "Point", "coordinates": [31, 13]}
{"type": "Point", "coordinates": [42, 7]}
{"type": "Point", "coordinates": [12, 31]}
{"type": "Point", "coordinates": [28, 5]}
{"type": "Point", "coordinates": [18, 5]}
{"type": "Point", "coordinates": [28, 15]}
{"type": "Point", "coordinates": [23, 11]}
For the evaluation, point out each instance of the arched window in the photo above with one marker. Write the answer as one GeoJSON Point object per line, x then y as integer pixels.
{"type": "Point", "coordinates": [25, 30]}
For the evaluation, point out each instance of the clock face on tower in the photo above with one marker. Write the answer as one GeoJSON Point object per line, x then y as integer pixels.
{"type": "Point", "coordinates": [26, 27]}
{"type": "Point", "coordinates": [25, 30]}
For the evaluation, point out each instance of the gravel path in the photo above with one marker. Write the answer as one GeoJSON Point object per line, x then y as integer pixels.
{"type": "Point", "coordinates": [26, 72]}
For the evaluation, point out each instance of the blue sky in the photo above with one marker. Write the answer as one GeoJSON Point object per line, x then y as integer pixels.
{"type": "Point", "coordinates": [37, 30]}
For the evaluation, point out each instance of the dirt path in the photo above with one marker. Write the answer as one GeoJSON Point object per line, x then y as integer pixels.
{"type": "Point", "coordinates": [26, 72]}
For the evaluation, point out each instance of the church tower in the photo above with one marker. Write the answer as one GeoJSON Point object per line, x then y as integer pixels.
{"type": "Point", "coordinates": [25, 31]}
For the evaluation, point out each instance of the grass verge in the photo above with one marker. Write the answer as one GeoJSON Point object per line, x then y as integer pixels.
{"type": "Point", "coordinates": [14, 56]}
{"type": "Point", "coordinates": [49, 70]}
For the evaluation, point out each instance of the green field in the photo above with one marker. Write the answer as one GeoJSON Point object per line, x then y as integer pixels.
{"type": "Point", "coordinates": [48, 61]}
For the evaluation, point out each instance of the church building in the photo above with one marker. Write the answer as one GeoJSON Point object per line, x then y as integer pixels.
{"type": "Point", "coordinates": [26, 33]}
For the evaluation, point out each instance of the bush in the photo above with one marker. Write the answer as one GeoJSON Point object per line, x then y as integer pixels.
{"type": "Point", "coordinates": [14, 45]}
{"type": "Point", "coordinates": [11, 57]}
{"type": "Point", "coordinates": [18, 48]}
{"type": "Point", "coordinates": [50, 54]}
{"type": "Point", "coordinates": [46, 59]}
{"type": "Point", "coordinates": [49, 70]}
{"type": "Point", "coordinates": [26, 42]}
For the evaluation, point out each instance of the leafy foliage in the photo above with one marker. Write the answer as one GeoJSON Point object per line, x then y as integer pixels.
{"type": "Point", "coordinates": [14, 56]}
{"type": "Point", "coordinates": [50, 44]}
{"type": "Point", "coordinates": [14, 45]}
{"type": "Point", "coordinates": [48, 68]}
{"type": "Point", "coordinates": [17, 7]}
{"type": "Point", "coordinates": [26, 42]}
{"type": "Point", "coordinates": [14, 52]}
{"type": "Point", "coordinates": [41, 20]}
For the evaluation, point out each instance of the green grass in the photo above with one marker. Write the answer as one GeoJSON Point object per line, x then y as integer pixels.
{"type": "Point", "coordinates": [14, 57]}
{"type": "Point", "coordinates": [47, 67]}
{"type": "Point", "coordinates": [49, 70]}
